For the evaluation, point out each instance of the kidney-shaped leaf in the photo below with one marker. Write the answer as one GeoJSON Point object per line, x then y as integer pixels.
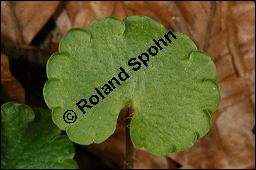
{"type": "Point", "coordinates": [30, 140]}
{"type": "Point", "coordinates": [168, 82]}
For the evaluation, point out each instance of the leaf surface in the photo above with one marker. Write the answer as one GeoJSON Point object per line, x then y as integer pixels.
{"type": "Point", "coordinates": [172, 96]}
{"type": "Point", "coordinates": [30, 140]}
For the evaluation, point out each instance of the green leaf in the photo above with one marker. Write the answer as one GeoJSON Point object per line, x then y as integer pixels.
{"type": "Point", "coordinates": [30, 140]}
{"type": "Point", "coordinates": [172, 96]}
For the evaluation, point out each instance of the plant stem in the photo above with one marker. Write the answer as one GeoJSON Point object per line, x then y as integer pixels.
{"type": "Point", "coordinates": [129, 146]}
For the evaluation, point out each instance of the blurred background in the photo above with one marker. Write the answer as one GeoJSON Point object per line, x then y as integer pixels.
{"type": "Point", "coordinates": [31, 31]}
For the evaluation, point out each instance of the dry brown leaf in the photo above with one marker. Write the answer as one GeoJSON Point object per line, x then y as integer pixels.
{"type": "Point", "coordinates": [32, 15]}
{"type": "Point", "coordinates": [10, 29]}
{"type": "Point", "coordinates": [62, 19]}
{"type": "Point", "coordinates": [25, 18]}
{"type": "Point", "coordinates": [11, 89]}
{"type": "Point", "coordinates": [225, 67]}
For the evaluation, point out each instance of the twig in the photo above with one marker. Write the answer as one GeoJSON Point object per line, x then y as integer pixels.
{"type": "Point", "coordinates": [129, 146]}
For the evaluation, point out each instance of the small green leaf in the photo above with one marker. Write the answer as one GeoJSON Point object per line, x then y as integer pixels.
{"type": "Point", "coordinates": [30, 140]}
{"type": "Point", "coordinates": [173, 93]}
